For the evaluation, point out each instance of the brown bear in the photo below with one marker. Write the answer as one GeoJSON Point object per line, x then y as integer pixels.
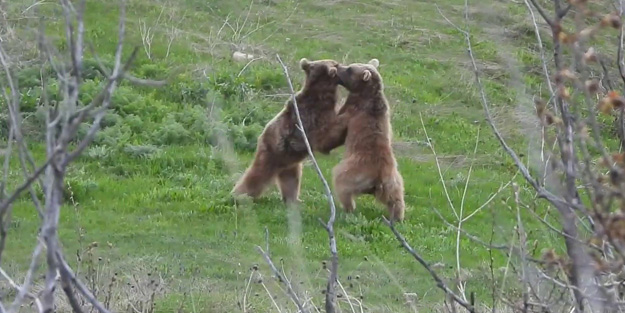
{"type": "Point", "coordinates": [369, 165]}
{"type": "Point", "coordinates": [281, 147]}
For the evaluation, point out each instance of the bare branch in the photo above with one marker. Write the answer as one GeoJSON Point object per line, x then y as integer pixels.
{"type": "Point", "coordinates": [19, 289]}
{"type": "Point", "coordinates": [542, 13]}
{"type": "Point", "coordinates": [468, 235]}
{"type": "Point", "coordinates": [563, 12]}
{"type": "Point", "coordinates": [144, 82]}
{"type": "Point", "coordinates": [24, 290]}
{"type": "Point", "coordinates": [68, 275]}
{"type": "Point", "coordinates": [439, 282]}
{"type": "Point", "coordinates": [9, 200]}
{"type": "Point", "coordinates": [69, 292]}
{"type": "Point", "coordinates": [330, 288]}
{"type": "Point", "coordinates": [282, 279]}
{"type": "Point", "coordinates": [438, 168]}
{"type": "Point", "coordinates": [541, 49]}
{"type": "Point", "coordinates": [7, 159]}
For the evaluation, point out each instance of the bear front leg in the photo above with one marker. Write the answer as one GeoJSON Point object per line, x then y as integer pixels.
{"type": "Point", "coordinates": [289, 181]}
{"type": "Point", "coordinates": [333, 136]}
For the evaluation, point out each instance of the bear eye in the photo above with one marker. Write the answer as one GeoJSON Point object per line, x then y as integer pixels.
{"type": "Point", "coordinates": [349, 70]}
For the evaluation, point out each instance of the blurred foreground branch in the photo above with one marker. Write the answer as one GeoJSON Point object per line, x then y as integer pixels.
{"type": "Point", "coordinates": [63, 120]}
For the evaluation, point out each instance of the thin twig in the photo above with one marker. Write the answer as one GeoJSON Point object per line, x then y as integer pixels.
{"type": "Point", "coordinates": [438, 167]}
{"type": "Point", "coordinates": [281, 278]}
{"type": "Point", "coordinates": [439, 282]}
{"type": "Point", "coordinates": [329, 226]}
{"type": "Point", "coordinates": [468, 235]}
{"type": "Point", "coordinates": [67, 273]}
{"type": "Point", "coordinates": [246, 65]}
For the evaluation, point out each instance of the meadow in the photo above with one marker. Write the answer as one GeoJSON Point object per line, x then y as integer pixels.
{"type": "Point", "coordinates": [149, 201]}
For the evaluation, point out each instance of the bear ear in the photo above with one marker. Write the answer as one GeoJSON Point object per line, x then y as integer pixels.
{"type": "Point", "coordinates": [375, 62]}
{"type": "Point", "coordinates": [304, 64]}
{"type": "Point", "coordinates": [332, 71]}
{"type": "Point", "coordinates": [366, 75]}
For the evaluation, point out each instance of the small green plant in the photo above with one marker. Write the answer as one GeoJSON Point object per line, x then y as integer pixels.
{"type": "Point", "coordinates": [98, 152]}
{"type": "Point", "coordinates": [143, 151]}
{"type": "Point", "coordinates": [114, 136]}
{"type": "Point", "coordinates": [171, 132]}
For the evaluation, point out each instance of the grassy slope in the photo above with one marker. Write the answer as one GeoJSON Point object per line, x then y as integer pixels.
{"type": "Point", "coordinates": [172, 210]}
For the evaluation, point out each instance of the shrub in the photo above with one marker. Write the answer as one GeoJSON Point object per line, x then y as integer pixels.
{"type": "Point", "coordinates": [88, 90]}
{"type": "Point", "coordinates": [185, 89]}
{"type": "Point", "coordinates": [152, 71]}
{"type": "Point", "coordinates": [230, 86]}
{"type": "Point", "coordinates": [91, 67]}
{"type": "Point", "coordinates": [123, 100]}
{"type": "Point", "coordinates": [114, 136]}
{"type": "Point", "coordinates": [245, 137]}
{"type": "Point", "coordinates": [266, 78]}
{"type": "Point", "coordinates": [98, 152]}
{"type": "Point", "coordinates": [110, 119]}
{"type": "Point", "coordinates": [195, 119]}
{"type": "Point", "coordinates": [29, 100]}
{"type": "Point", "coordinates": [171, 132]}
{"type": "Point", "coordinates": [137, 126]}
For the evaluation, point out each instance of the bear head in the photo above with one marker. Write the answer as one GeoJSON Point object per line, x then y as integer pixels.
{"type": "Point", "coordinates": [320, 73]}
{"type": "Point", "coordinates": [361, 77]}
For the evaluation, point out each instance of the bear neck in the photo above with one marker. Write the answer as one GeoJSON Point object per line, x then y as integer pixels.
{"type": "Point", "coordinates": [371, 100]}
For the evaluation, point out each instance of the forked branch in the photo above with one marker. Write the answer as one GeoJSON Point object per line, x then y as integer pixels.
{"type": "Point", "coordinates": [439, 282]}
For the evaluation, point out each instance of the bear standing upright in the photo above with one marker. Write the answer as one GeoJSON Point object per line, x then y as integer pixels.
{"type": "Point", "coordinates": [281, 147]}
{"type": "Point", "coordinates": [369, 165]}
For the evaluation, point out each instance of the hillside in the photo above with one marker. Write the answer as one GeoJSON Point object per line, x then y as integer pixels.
{"type": "Point", "coordinates": [153, 189]}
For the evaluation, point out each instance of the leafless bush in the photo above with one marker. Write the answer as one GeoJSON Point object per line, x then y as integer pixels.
{"type": "Point", "coordinates": [586, 194]}
{"type": "Point", "coordinates": [63, 120]}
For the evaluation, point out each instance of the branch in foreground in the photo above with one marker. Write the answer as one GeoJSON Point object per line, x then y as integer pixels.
{"type": "Point", "coordinates": [541, 190]}
{"type": "Point", "coordinates": [20, 289]}
{"type": "Point", "coordinates": [581, 262]}
{"type": "Point", "coordinates": [68, 275]}
{"type": "Point", "coordinates": [439, 282]}
{"type": "Point", "coordinates": [28, 280]}
{"type": "Point", "coordinates": [542, 13]}
{"type": "Point", "coordinates": [276, 272]}
{"type": "Point", "coordinates": [18, 191]}
{"type": "Point", "coordinates": [330, 288]}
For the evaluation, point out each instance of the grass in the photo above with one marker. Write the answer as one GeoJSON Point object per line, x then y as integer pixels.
{"type": "Point", "coordinates": [156, 183]}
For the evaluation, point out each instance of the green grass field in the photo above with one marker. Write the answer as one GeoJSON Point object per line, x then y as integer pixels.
{"type": "Point", "coordinates": [153, 190]}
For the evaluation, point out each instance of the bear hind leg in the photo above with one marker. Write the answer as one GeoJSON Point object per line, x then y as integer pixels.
{"type": "Point", "coordinates": [348, 185]}
{"type": "Point", "coordinates": [391, 194]}
{"type": "Point", "coordinates": [255, 180]}
{"type": "Point", "coordinates": [289, 181]}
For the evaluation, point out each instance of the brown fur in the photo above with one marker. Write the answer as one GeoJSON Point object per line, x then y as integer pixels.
{"type": "Point", "coordinates": [281, 147]}
{"type": "Point", "coordinates": [369, 165]}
